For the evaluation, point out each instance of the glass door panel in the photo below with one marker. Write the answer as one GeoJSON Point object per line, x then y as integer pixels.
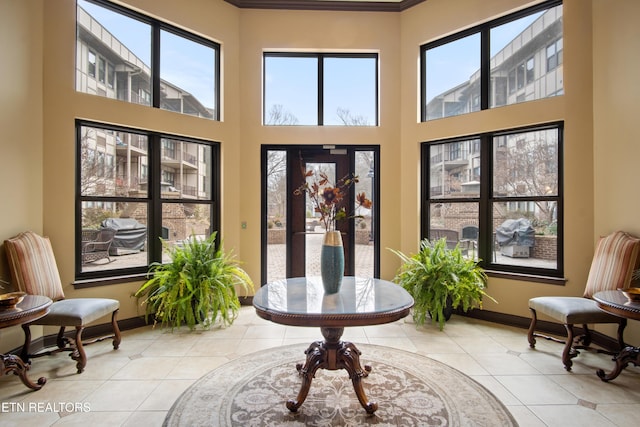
{"type": "Point", "coordinates": [293, 232]}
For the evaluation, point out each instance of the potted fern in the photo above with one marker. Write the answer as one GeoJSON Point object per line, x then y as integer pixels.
{"type": "Point", "coordinates": [440, 280]}
{"type": "Point", "coordinates": [198, 285]}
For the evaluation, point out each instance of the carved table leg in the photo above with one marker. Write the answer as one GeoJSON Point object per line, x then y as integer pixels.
{"type": "Point", "coordinates": [626, 356]}
{"type": "Point", "coordinates": [12, 363]}
{"type": "Point", "coordinates": [332, 354]}
{"type": "Point", "coordinates": [350, 358]}
{"type": "Point", "coordinates": [316, 356]}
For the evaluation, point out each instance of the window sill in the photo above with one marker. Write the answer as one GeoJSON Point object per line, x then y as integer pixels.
{"type": "Point", "coordinates": [527, 277]}
{"type": "Point", "coordinates": [104, 281]}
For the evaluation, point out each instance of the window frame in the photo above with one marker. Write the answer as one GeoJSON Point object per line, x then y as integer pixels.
{"type": "Point", "coordinates": [157, 27]}
{"type": "Point", "coordinates": [484, 30]}
{"type": "Point", "coordinates": [320, 56]}
{"type": "Point", "coordinates": [153, 199]}
{"type": "Point", "coordinates": [486, 200]}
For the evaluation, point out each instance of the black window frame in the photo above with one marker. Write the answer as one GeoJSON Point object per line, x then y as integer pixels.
{"type": "Point", "coordinates": [486, 200]}
{"type": "Point", "coordinates": [156, 27]}
{"type": "Point", "coordinates": [484, 30]}
{"type": "Point", "coordinates": [153, 200]}
{"type": "Point", "coordinates": [320, 84]}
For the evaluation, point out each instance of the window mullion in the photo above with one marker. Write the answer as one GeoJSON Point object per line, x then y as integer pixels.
{"type": "Point", "coordinates": [485, 237]}
{"type": "Point", "coordinates": [155, 214]}
{"type": "Point", "coordinates": [155, 64]}
{"type": "Point", "coordinates": [425, 200]}
{"type": "Point", "coordinates": [485, 65]}
{"type": "Point", "coordinates": [320, 90]}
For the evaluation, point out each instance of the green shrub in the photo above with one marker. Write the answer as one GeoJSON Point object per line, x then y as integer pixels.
{"type": "Point", "coordinates": [197, 286]}
{"type": "Point", "coordinates": [437, 274]}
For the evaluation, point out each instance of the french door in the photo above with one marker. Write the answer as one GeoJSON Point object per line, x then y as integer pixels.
{"type": "Point", "coordinates": [292, 232]}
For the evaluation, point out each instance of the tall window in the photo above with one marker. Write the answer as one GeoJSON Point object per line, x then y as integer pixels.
{"type": "Point", "coordinates": [127, 183]}
{"type": "Point", "coordinates": [113, 59]}
{"type": "Point", "coordinates": [320, 89]}
{"type": "Point", "coordinates": [494, 64]}
{"type": "Point", "coordinates": [509, 215]}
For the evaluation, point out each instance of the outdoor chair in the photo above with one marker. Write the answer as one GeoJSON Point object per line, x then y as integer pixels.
{"type": "Point", "coordinates": [33, 269]}
{"type": "Point", "coordinates": [614, 261]}
{"type": "Point", "coordinates": [470, 237]}
{"type": "Point", "coordinates": [96, 244]}
{"type": "Point", "coordinates": [451, 236]}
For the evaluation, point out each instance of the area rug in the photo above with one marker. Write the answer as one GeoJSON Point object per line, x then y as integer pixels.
{"type": "Point", "coordinates": [410, 389]}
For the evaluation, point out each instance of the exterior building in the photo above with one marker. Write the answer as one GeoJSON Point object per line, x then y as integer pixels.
{"type": "Point", "coordinates": [117, 163]}
{"type": "Point", "coordinates": [529, 67]}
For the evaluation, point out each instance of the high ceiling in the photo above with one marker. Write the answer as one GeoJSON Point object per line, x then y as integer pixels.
{"type": "Point", "coordinates": [354, 5]}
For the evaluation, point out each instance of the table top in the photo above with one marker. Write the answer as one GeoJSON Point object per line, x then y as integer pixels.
{"type": "Point", "coordinates": [301, 301]}
{"type": "Point", "coordinates": [31, 308]}
{"type": "Point", "coordinates": [617, 303]}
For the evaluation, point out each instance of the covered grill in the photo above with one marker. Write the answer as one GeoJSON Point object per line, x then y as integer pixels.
{"type": "Point", "coordinates": [515, 237]}
{"type": "Point", "coordinates": [130, 237]}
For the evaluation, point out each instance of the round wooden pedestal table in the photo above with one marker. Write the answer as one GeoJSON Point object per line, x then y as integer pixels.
{"type": "Point", "coordinates": [360, 302]}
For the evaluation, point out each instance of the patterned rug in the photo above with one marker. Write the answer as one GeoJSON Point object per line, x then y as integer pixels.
{"type": "Point", "coordinates": [411, 390]}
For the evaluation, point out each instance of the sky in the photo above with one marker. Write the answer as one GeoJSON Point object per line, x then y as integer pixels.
{"type": "Point", "coordinates": [349, 83]}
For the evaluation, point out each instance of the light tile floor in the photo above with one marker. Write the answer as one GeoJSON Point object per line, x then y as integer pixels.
{"type": "Point", "coordinates": [137, 384]}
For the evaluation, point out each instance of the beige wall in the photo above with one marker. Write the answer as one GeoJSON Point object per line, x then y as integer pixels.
{"type": "Point", "coordinates": [20, 129]}
{"type": "Point", "coordinates": [616, 93]}
{"type": "Point", "coordinates": [39, 105]}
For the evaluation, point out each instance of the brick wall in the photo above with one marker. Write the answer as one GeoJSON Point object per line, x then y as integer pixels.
{"type": "Point", "coordinates": [276, 236]}
{"type": "Point", "coordinates": [545, 247]}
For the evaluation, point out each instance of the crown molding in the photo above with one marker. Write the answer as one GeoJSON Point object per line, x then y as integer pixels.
{"type": "Point", "coordinates": [358, 6]}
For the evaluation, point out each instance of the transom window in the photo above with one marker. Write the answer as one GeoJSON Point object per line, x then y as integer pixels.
{"type": "Point", "coordinates": [316, 89]}
{"type": "Point", "coordinates": [501, 204]}
{"type": "Point", "coordinates": [498, 63]}
{"type": "Point", "coordinates": [114, 59]}
{"type": "Point", "coordinates": [148, 188]}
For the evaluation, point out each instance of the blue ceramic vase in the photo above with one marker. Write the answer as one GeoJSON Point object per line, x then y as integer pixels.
{"type": "Point", "coordinates": [332, 262]}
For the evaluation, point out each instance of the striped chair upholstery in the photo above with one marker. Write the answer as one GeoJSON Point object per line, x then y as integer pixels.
{"type": "Point", "coordinates": [33, 265]}
{"type": "Point", "coordinates": [613, 263]}
{"type": "Point", "coordinates": [615, 259]}
{"type": "Point", "coordinates": [34, 270]}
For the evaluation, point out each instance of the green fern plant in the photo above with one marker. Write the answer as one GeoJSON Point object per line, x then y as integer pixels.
{"type": "Point", "coordinates": [437, 276]}
{"type": "Point", "coordinates": [198, 286]}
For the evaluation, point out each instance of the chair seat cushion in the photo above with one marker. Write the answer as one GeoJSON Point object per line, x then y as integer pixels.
{"type": "Point", "coordinates": [571, 310]}
{"type": "Point", "coordinates": [78, 311]}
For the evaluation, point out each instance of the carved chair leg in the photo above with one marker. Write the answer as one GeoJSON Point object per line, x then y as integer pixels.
{"type": "Point", "coordinates": [586, 337]}
{"type": "Point", "coordinates": [569, 352]}
{"type": "Point", "coordinates": [61, 340]}
{"type": "Point", "coordinates": [79, 354]}
{"type": "Point", "coordinates": [532, 329]}
{"type": "Point", "coordinates": [116, 330]}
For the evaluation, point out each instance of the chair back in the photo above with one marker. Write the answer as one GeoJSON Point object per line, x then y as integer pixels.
{"type": "Point", "coordinates": [33, 265]}
{"type": "Point", "coordinates": [615, 259]}
{"type": "Point", "coordinates": [470, 232]}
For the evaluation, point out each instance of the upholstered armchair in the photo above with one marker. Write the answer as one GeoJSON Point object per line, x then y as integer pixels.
{"type": "Point", "coordinates": [34, 270]}
{"type": "Point", "coordinates": [613, 263]}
